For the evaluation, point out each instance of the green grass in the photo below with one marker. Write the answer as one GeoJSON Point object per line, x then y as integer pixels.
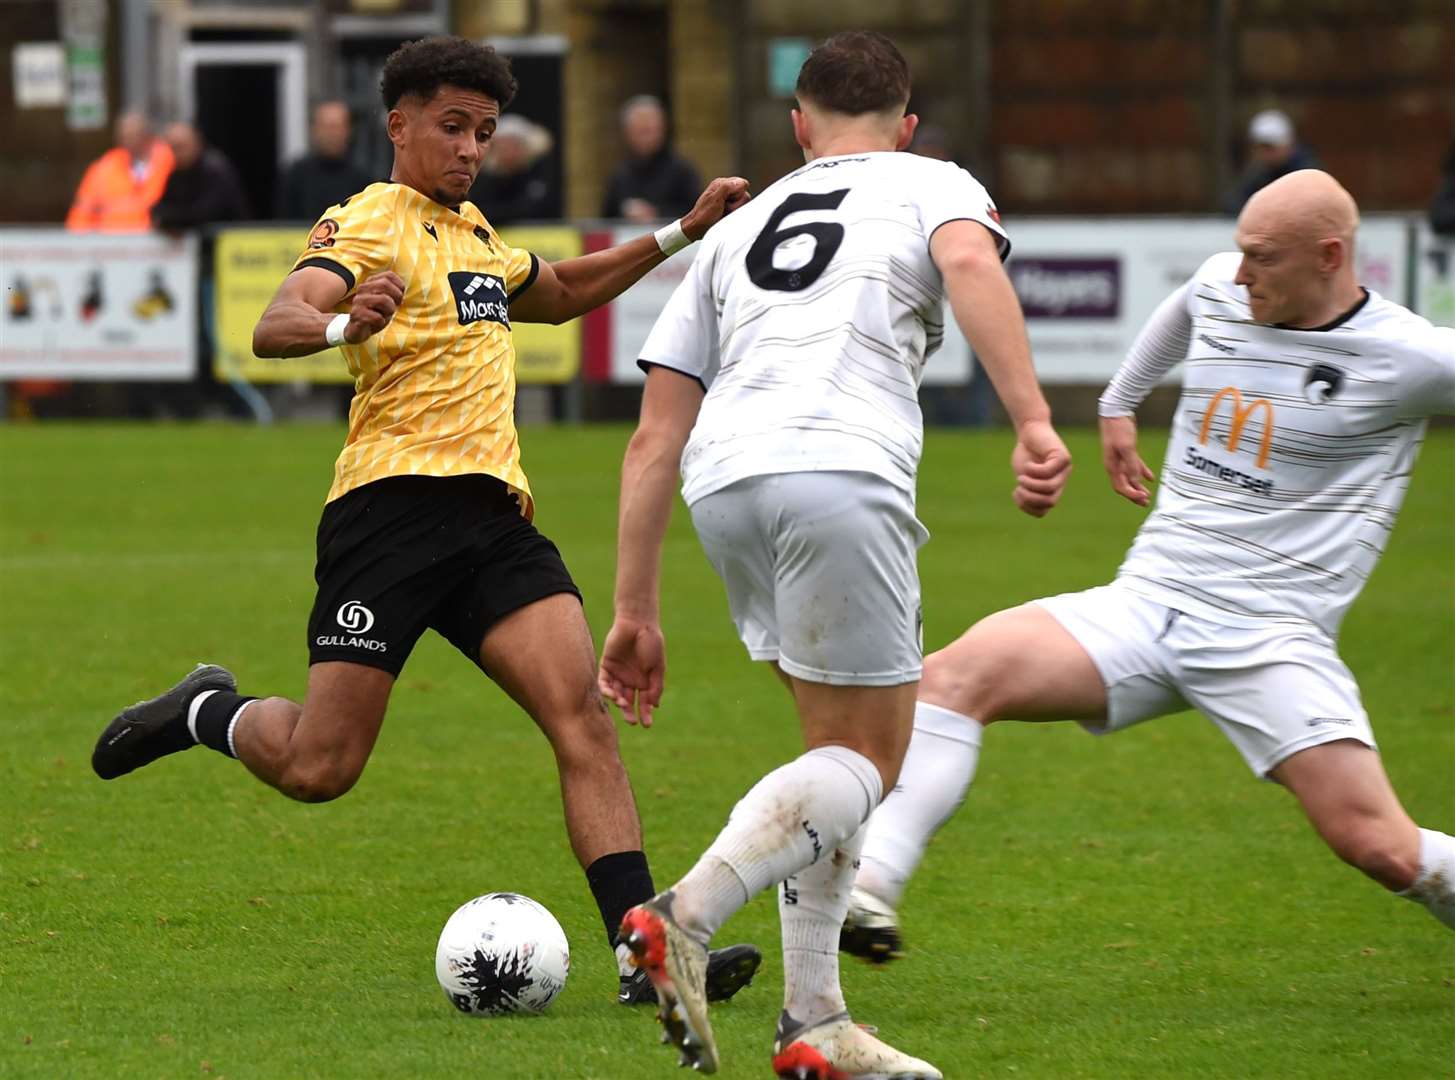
{"type": "Point", "coordinates": [1133, 906]}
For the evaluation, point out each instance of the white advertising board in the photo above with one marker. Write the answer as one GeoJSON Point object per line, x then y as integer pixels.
{"type": "Point", "coordinates": [635, 311]}
{"type": "Point", "coordinates": [1087, 286]}
{"type": "Point", "coordinates": [94, 306]}
{"type": "Point", "coordinates": [1435, 276]}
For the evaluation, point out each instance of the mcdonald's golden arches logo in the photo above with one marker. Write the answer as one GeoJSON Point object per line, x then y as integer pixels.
{"type": "Point", "coordinates": [1240, 414]}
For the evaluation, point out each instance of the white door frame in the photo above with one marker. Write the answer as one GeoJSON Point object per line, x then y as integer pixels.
{"type": "Point", "coordinates": [291, 59]}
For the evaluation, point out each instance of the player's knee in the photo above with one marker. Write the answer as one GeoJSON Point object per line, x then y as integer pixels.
{"type": "Point", "coordinates": [965, 677]}
{"type": "Point", "coordinates": [317, 781]}
{"type": "Point", "coordinates": [582, 734]}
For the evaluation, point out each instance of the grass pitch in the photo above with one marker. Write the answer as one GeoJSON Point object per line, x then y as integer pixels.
{"type": "Point", "coordinates": [1133, 906]}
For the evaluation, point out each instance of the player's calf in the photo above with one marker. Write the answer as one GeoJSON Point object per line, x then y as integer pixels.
{"type": "Point", "coordinates": [1388, 852]}
{"type": "Point", "coordinates": [1347, 796]}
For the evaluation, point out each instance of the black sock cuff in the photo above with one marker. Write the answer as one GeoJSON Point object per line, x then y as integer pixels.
{"type": "Point", "coordinates": [619, 881]}
{"type": "Point", "coordinates": [214, 716]}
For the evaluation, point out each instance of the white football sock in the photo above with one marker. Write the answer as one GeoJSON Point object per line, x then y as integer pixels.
{"type": "Point", "coordinates": [933, 780]}
{"type": "Point", "coordinates": [624, 965]}
{"type": "Point", "coordinates": [811, 905]}
{"type": "Point", "coordinates": [1435, 885]}
{"type": "Point", "coordinates": [792, 817]}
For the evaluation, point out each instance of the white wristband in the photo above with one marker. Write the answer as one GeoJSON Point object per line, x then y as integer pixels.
{"type": "Point", "coordinates": [334, 332]}
{"type": "Point", "coordinates": [671, 239]}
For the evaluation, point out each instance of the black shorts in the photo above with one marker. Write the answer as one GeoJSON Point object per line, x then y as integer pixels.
{"type": "Point", "coordinates": [453, 554]}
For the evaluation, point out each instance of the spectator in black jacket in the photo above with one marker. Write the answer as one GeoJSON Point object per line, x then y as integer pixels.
{"type": "Point", "coordinates": [326, 176]}
{"type": "Point", "coordinates": [204, 187]}
{"type": "Point", "coordinates": [1442, 209]}
{"type": "Point", "coordinates": [653, 183]}
{"type": "Point", "coordinates": [1273, 151]}
{"type": "Point", "coordinates": [517, 181]}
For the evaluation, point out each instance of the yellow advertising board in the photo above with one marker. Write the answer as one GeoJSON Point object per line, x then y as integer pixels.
{"type": "Point", "coordinates": [546, 353]}
{"type": "Point", "coordinates": [249, 264]}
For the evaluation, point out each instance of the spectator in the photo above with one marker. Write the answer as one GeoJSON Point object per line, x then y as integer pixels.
{"type": "Point", "coordinates": [204, 186]}
{"type": "Point", "coordinates": [120, 187]}
{"type": "Point", "coordinates": [1442, 210]}
{"type": "Point", "coordinates": [204, 189]}
{"type": "Point", "coordinates": [653, 183]}
{"type": "Point", "coordinates": [326, 176]}
{"type": "Point", "coordinates": [1273, 151]}
{"type": "Point", "coordinates": [516, 183]}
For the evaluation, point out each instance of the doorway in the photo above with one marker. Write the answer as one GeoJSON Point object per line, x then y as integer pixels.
{"type": "Point", "coordinates": [249, 100]}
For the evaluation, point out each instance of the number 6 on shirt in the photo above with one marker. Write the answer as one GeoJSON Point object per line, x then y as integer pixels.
{"type": "Point", "coordinates": [827, 236]}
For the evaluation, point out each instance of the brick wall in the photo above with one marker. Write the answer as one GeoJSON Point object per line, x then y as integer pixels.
{"type": "Point", "coordinates": [1139, 106]}
{"type": "Point", "coordinates": [703, 84]}
{"type": "Point", "coordinates": [1101, 107]}
{"type": "Point", "coordinates": [1370, 86]}
{"type": "Point", "coordinates": [618, 48]}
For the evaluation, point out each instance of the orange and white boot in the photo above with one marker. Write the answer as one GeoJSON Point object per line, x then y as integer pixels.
{"type": "Point", "coordinates": [677, 966]}
{"type": "Point", "coordinates": [839, 1049]}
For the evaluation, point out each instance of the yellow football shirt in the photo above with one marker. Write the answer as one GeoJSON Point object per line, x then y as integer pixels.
{"type": "Point", "coordinates": [434, 391]}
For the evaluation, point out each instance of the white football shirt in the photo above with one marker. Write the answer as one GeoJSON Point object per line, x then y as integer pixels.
{"type": "Point", "coordinates": [807, 316]}
{"type": "Point", "coordinates": [1290, 452]}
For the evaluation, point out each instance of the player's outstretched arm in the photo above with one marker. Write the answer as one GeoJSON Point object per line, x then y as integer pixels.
{"type": "Point", "coordinates": [989, 315]}
{"type": "Point", "coordinates": [570, 288]}
{"type": "Point", "coordinates": [296, 321]}
{"type": "Point", "coordinates": [633, 658]}
{"type": "Point", "coordinates": [1160, 346]}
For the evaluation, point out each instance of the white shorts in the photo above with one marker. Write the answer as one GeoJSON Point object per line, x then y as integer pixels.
{"type": "Point", "coordinates": [820, 573]}
{"type": "Point", "coordinates": [1273, 689]}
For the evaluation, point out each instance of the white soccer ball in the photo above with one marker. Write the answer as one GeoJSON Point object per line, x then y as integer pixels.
{"type": "Point", "coordinates": [502, 953]}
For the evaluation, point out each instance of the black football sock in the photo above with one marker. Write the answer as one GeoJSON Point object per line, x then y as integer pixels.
{"type": "Point", "coordinates": [619, 881]}
{"type": "Point", "coordinates": [213, 726]}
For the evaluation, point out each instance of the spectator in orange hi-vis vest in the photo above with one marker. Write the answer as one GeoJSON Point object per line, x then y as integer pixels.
{"type": "Point", "coordinates": [122, 185]}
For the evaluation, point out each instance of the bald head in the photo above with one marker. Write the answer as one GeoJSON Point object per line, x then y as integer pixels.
{"type": "Point", "coordinates": [1297, 239]}
{"type": "Point", "coordinates": [1305, 205]}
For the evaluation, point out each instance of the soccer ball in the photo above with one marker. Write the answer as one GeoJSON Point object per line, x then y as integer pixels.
{"type": "Point", "coordinates": [502, 953]}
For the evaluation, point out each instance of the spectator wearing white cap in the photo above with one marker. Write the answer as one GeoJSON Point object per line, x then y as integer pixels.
{"type": "Point", "coordinates": [1273, 151]}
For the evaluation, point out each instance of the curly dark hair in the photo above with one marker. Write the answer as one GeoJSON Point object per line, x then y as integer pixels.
{"type": "Point", "coordinates": [855, 72]}
{"type": "Point", "coordinates": [421, 67]}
